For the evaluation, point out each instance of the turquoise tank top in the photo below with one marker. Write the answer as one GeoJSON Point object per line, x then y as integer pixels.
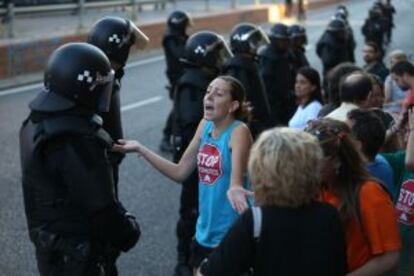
{"type": "Point", "coordinates": [214, 169]}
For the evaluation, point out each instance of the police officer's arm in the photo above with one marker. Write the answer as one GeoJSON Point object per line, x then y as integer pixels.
{"type": "Point", "coordinates": [86, 174]}
{"type": "Point", "coordinates": [177, 172]}
{"type": "Point", "coordinates": [319, 46]}
{"type": "Point", "coordinates": [364, 28]}
{"type": "Point", "coordinates": [240, 143]}
{"type": "Point", "coordinates": [175, 48]}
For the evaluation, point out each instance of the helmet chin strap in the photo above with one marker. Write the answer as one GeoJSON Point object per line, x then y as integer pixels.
{"type": "Point", "coordinates": [119, 73]}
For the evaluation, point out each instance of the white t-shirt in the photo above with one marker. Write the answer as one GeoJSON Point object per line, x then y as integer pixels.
{"type": "Point", "coordinates": [341, 112]}
{"type": "Point", "coordinates": [304, 115]}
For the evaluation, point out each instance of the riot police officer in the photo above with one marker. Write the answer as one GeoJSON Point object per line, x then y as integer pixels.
{"type": "Point", "coordinates": [374, 27]}
{"type": "Point", "coordinates": [74, 219]}
{"type": "Point", "coordinates": [204, 55]}
{"type": "Point", "coordinates": [276, 71]}
{"type": "Point", "coordinates": [388, 11]}
{"type": "Point", "coordinates": [342, 13]}
{"type": "Point", "coordinates": [330, 47]}
{"type": "Point", "coordinates": [115, 36]}
{"type": "Point", "coordinates": [245, 40]}
{"type": "Point", "coordinates": [173, 43]}
{"type": "Point", "coordinates": [298, 40]}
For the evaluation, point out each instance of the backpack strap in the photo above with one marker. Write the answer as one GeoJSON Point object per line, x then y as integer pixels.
{"type": "Point", "coordinates": [257, 222]}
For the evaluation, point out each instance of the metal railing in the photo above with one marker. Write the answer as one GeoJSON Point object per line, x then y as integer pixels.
{"type": "Point", "coordinates": [11, 12]}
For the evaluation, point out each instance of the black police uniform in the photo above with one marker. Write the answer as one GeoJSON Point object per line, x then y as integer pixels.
{"type": "Point", "coordinates": [112, 123]}
{"type": "Point", "coordinates": [331, 47]}
{"type": "Point", "coordinates": [276, 73]}
{"type": "Point", "coordinates": [74, 218]}
{"type": "Point", "coordinates": [115, 36]}
{"type": "Point", "coordinates": [245, 40]}
{"type": "Point", "coordinates": [246, 70]}
{"type": "Point", "coordinates": [350, 43]}
{"type": "Point", "coordinates": [388, 10]}
{"type": "Point", "coordinates": [342, 14]}
{"type": "Point", "coordinates": [374, 28]}
{"type": "Point", "coordinates": [298, 58]}
{"type": "Point", "coordinates": [297, 50]}
{"type": "Point", "coordinates": [174, 44]}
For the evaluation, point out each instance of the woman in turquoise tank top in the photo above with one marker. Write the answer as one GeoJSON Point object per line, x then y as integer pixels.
{"type": "Point", "coordinates": [220, 150]}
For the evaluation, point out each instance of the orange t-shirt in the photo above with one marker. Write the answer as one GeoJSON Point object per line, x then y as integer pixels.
{"type": "Point", "coordinates": [379, 230]}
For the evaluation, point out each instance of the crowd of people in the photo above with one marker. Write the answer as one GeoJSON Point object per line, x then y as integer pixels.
{"type": "Point", "coordinates": [284, 171]}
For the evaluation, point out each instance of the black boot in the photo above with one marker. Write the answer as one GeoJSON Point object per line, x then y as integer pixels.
{"type": "Point", "coordinates": [182, 267]}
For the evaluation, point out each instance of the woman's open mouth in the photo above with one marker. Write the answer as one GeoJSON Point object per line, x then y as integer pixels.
{"type": "Point", "coordinates": [208, 107]}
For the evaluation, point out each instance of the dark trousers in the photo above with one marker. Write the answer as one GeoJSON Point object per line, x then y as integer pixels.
{"type": "Point", "coordinates": [168, 125]}
{"type": "Point", "coordinates": [115, 159]}
{"type": "Point", "coordinates": [257, 127]}
{"type": "Point", "coordinates": [188, 206]}
{"type": "Point", "coordinates": [58, 263]}
{"type": "Point", "coordinates": [167, 131]}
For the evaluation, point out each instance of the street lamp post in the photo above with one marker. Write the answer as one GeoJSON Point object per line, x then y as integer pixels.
{"type": "Point", "coordinates": [81, 10]}
{"type": "Point", "coordinates": [9, 20]}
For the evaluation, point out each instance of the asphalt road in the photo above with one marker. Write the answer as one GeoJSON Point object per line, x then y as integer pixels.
{"type": "Point", "coordinates": [146, 193]}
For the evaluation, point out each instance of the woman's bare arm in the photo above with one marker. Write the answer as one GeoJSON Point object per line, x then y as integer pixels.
{"type": "Point", "coordinates": [241, 141]}
{"type": "Point", "coordinates": [177, 172]}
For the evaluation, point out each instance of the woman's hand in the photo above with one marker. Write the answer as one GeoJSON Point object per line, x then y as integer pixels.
{"type": "Point", "coordinates": [238, 198]}
{"type": "Point", "coordinates": [127, 146]}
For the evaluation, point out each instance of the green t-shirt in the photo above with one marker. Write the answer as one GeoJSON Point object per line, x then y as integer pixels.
{"type": "Point", "coordinates": [404, 206]}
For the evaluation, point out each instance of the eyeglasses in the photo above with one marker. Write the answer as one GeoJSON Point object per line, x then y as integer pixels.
{"type": "Point", "coordinates": [322, 131]}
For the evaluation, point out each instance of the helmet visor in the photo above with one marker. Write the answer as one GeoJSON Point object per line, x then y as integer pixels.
{"type": "Point", "coordinates": [224, 53]}
{"type": "Point", "coordinates": [261, 39]}
{"type": "Point", "coordinates": [106, 82]}
{"type": "Point", "coordinates": [190, 21]}
{"type": "Point", "coordinates": [141, 40]}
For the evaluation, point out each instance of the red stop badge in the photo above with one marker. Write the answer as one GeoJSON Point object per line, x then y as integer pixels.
{"type": "Point", "coordinates": [209, 163]}
{"type": "Point", "coordinates": [405, 203]}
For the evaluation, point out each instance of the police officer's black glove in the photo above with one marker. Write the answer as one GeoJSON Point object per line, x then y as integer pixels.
{"type": "Point", "coordinates": [116, 225]}
{"type": "Point", "coordinates": [132, 235]}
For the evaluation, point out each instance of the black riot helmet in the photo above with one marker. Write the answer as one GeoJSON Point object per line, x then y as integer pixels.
{"type": "Point", "coordinates": [296, 30]}
{"type": "Point", "coordinates": [340, 15]}
{"type": "Point", "coordinates": [298, 33]}
{"type": "Point", "coordinates": [342, 11]}
{"type": "Point", "coordinates": [77, 75]}
{"type": "Point", "coordinates": [178, 21]}
{"type": "Point", "coordinates": [336, 25]}
{"type": "Point", "coordinates": [206, 49]}
{"type": "Point", "coordinates": [246, 38]}
{"type": "Point", "coordinates": [115, 36]}
{"type": "Point", "coordinates": [375, 13]}
{"type": "Point", "coordinates": [279, 31]}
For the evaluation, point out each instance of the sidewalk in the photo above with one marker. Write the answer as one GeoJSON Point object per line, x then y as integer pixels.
{"type": "Point", "coordinates": [39, 35]}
